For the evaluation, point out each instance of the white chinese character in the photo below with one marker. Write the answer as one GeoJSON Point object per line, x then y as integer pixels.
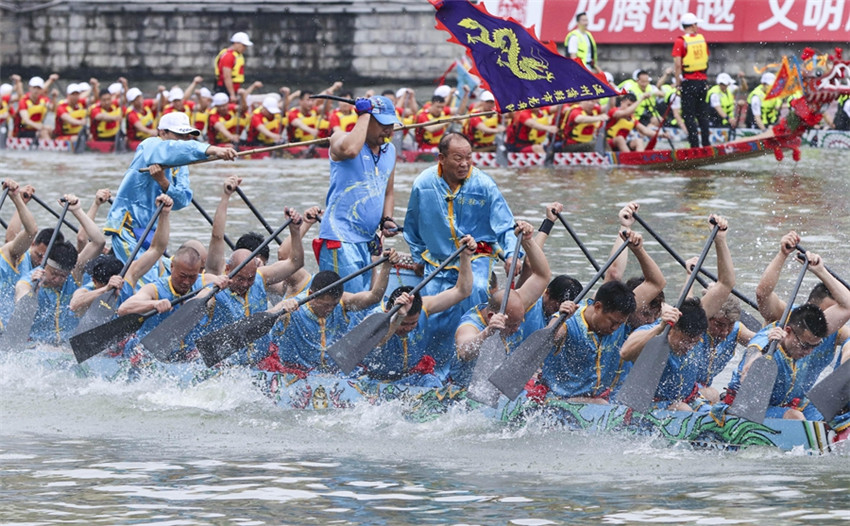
{"type": "Point", "coordinates": [717, 14]}
{"type": "Point", "coordinates": [780, 15]}
{"type": "Point", "coordinates": [629, 13]}
{"type": "Point", "coordinates": [592, 8]}
{"type": "Point", "coordinates": [818, 13]}
{"type": "Point", "coordinates": [667, 14]}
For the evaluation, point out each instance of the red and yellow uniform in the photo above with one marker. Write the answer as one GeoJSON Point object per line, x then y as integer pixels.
{"type": "Point", "coordinates": [479, 138]}
{"type": "Point", "coordinates": [429, 139]}
{"type": "Point", "coordinates": [621, 127]}
{"type": "Point", "coordinates": [580, 133]}
{"type": "Point", "coordinates": [105, 130]}
{"type": "Point", "coordinates": [36, 109]}
{"type": "Point", "coordinates": [345, 121]}
{"type": "Point", "coordinates": [188, 108]}
{"type": "Point", "coordinates": [200, 118]}
{"type": "Point", "coordinates": [77, 111]}
{"type": "Point", "coordinates": [296, 134]}
{"type": "Point", "coordinates": [146, 116]}
{"type": "Point", "coordinates": [694, 52]}
{"type": "Point", "coordinates": [273, 124]}
{"type": "Point", "coordinates": [228, 58]}
{"type": "Point", "coordinates": [542, 116]}
{"type": "Point", "coordinates": [226, 115]}
{"type": "Point", "coordinates": [6, 108]}
{"type": "Point", "coordinates": [518, 135]}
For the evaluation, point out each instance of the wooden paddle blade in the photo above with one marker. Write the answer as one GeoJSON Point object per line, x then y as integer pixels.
{"type": "Point", "coordinates": [18, 329]}
{"type": "Point", "coordinates": [751, 322]}
{"type": "Point", "coordinates": [217, 346]}
{"type": "Point", "coordinates": [94, 341]}
{"type": "Point", "coordinates": [519, 366]}
{"type": "Point", "coordinates": [832, 394]}
{"type": "Point", "coordinates": [99, 312]}
{"type": "Point", "coordinates": [166, 336]}
{"type": "Point", "coordinates": [638, 390]}
{"type": "Point", "coordinates": [754, 395]}
{"type": "Point", "coordinates": [350, 350]}
{"type": "Point", "coordinates": [491, 354]}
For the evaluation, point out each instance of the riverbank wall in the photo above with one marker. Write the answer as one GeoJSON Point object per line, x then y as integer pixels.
{"type": "Point", "coordinates": [299, 44]}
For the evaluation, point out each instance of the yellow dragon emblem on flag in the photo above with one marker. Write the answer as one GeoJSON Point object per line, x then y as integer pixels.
{"type": "Point", "coordinates": [505, 40]}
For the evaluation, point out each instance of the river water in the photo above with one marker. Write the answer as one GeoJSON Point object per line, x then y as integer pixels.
{"type": "Point", "coordinates": [85, 451]}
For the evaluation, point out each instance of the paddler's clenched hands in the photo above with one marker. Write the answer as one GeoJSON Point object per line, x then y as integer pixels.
{"type": "Point", "coordinates": [73, 202]}
{"type": "Point", "coordinates": [286, 306]}
{"type": "Point", "coordinates": [226, 152]}
{"type": "Point", "coordinates": [231, 184]}
{"type": "Point", "coordinates": [166, 201]}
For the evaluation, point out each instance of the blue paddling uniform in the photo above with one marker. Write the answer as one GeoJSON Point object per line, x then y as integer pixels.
{"type": "Point", "coordinates": [461, 370]}
{"type": "Point", "coordinates": [54, 321]}
{"type": "Point", "coordinates": [10, 274]}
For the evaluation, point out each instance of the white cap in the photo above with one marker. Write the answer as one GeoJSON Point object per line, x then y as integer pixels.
{"type": "Point", "coordinates": [725, 78]}
{"type": "Point", "coordinates": [176, 93]}
{"type": "Point", "coordinates": [220, 99]}
{"type": "Point", "coordinates": [5, 89]}
{"type": "Point", "coordinates": [177, 122]}
{"type": "Point", "coordinates": [84, 86]}
{"type": "Point", "coordinates": [133, 94]}
{"type": "Point", "coordinates": [72, 88]}
{"type": "Point", "coordinates": [270, 103]}
{"type": "Point", "coordinates": [400, 93]}
{"type": "Point", "coordinates": [204, 93]}
{"type": "Point", "coordinates": [486, 96]}
{"type": "Point", "coordinates": [36, 82]}
{"type": "Point", "coordinates": [241, 38]}
{"type": "Point", "coordinates": [444, 91]}
{"type": "Point", "coordinates": [768, 78]}
{"type": "Point", "coordinates": [690, 19]}
{"type": "Point", "coordinates": [116, 88]}
{"type": "Point", "coordinates": [609, 77]}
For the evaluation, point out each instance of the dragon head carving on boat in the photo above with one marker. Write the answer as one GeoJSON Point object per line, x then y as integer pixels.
{"type": "Point", "coordinates": [823, 78]}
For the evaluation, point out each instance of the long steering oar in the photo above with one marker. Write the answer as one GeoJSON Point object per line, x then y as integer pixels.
{"type": "Point", "coordinates": [753, 396]}
{"type": "Point", "coordinates": [350, 350]}
{"type": "Point", "coordinates": [54, 213]}
{"type": "Point", "coordinates": [168, 334]}
{"type": "Point", "coordinates": [257, 213]}
{"type": "Point", "coordinates": [491, 353]}
{"type": "Point", "coordinates": [218, 345]}
{"type": "Point", "coordinates": [746, 318]}
{"type": "Point", "coordinates": [206, 216]}
{"type": "Point", "coordinates": [577, 240]}
{"type": "Point", "coordinates": [510, 378]}
{"type": "Point", "coordinates": [103, 307]}
{"type": "Point", "coordinates": [832, 394]}
{"type": "Point", "coordinates": [18, 328]}
{"type": "Point", "coordinates": [640, 385]}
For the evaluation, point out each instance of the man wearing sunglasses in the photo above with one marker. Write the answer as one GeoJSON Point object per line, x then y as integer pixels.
{"type": "Point", "coordinates": [165, 156]}
{"type": "Point", "coordinates": [800, 355]}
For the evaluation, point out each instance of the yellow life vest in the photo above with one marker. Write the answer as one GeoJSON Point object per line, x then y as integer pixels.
{"type": "Point", "coordinates": [727, 100]}
{"type": "Point", "coordinates": [696, 53]}
{"type": "Point", "coordinates": [76, 112]}
{"type": "Point", "coordinates": [621, 127]}
{"type": "Point", "coordinates": [587, 53]}
{"type": "Point", "coordinates": [238, 71]}
{"type": "Point", "coordinates": [769, 108]}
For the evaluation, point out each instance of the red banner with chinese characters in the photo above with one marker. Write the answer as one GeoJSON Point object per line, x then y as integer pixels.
{"type": "Point", "coordinates": [658, 21]}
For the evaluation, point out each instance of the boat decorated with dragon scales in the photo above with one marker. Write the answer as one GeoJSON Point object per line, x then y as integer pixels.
{"type": "Point", "coordinates": [322, 392]}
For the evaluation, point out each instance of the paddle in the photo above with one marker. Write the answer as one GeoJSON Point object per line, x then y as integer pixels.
{"type": "Point", "coordinates": [550, 147]}
{"type": "Point", "coordinates": [210, 221]}
{"type": "Point", "coordinates": [510, 378]}
{"type": "Point", "coordinates": [576, 239]}
{"type": "Point", "coordinates": [3, 200]}
{"type": "Point", "coordinates": [642, 381]}
{"type": "Point", "coordinates": [753, 396]}
{"type": "Point", "coordinates": [18, 329]}
{"type": "Point", "coordinates": [276, 147]}
{"type": "Point", "coordinates": [103, 308]}
{"type": "Point", "coordinates": [832, 394]}
{"type": "Point", "coordinates": [94, 341]}
{"type": "Point", "coordinates": [257, 214]}
{"type": "Point", "coordinates": [168, 334]}
{"type": "Point", "coordinates": [601, 136]}
{"type": "Point", "coordinates": [799, 248]}
{"type": "Point", "coordinates": [652, 142]}
{"type": "Point", "coordinates": [218, 345]}
{"type": "Point", "coordinates": [82, 137]}
{"type": "Point", "coordinates": [746, 318]}
{"type": "Point", "coordinates": [54, 213]}
{"type": "Point", "coordinates": [350, 350]}
{"type": "Point", "coordinates": [491, 353]}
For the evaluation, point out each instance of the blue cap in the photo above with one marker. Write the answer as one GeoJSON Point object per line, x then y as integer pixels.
{"type": "Point", "coordinates": [383, 110]}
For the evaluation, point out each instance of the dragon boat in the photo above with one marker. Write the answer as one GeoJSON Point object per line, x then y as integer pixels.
{"type": "Point", "coordinates": [322, 392]}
